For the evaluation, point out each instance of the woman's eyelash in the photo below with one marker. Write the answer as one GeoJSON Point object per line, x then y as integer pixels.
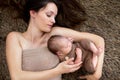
{"type": "Point", "coordinates": [48, 15]}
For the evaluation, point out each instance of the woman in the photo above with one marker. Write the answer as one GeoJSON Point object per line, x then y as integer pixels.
{"type": "Point", "coordinates": [40, 16]}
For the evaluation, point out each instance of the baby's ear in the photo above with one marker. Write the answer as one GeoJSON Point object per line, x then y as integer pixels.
{"type": "Point", "coordinates": [59, 53]}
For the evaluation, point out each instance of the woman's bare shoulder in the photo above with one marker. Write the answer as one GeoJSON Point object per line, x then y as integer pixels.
{"type": "Point", "coordinates": [13, 35]}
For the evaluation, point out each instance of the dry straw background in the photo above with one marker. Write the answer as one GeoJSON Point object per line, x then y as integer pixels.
{"type": "Point", "coordinates": [103, 19]}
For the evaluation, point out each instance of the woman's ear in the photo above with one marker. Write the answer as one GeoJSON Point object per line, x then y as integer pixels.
{"type": "Point", "coordinates": [32, 13]}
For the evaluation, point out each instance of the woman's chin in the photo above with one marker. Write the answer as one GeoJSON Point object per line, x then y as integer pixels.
{"type": "Point", "coordinates": [48, 30]}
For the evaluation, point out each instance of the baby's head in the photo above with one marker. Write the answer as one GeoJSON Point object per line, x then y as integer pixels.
{"type": "Point", "coordinates": [60, 45]}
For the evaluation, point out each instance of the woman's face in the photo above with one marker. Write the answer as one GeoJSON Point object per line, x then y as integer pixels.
{"type": "Point", "coordinates": [45, 17]}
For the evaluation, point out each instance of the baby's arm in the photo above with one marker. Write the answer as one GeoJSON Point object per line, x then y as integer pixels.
{"type": "Point", "coordinates": [89, 45]}
{"type": "Point", "coordinates": [78, 55]}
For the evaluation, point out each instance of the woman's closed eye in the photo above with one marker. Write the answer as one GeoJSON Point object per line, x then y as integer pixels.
{"type": "Point", "coordinates": [48, 15]}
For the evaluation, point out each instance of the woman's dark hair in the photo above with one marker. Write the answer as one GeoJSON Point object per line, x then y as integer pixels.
{"type": "Point", "coordinates": [35, 5]}
{"type": "Point", "coordinates": [24, 6]}
{"type": "Point", "coordinates": [70, 12]}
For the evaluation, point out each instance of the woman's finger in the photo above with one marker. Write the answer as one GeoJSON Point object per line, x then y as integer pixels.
{"type": "Point", "coordinates": [75, 69]}
{"type": "Point", "coordinates": [76, 65]}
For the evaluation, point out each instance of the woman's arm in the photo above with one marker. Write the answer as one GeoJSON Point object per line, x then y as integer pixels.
{"type": "Point", "coordinates": [98, 72]}
{"type": "Point", "coordinates": [14, 56]}
{"type": "Point", "coordinates": [77, 36]}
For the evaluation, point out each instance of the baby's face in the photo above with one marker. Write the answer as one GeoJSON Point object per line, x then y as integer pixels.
{"type": "Point", "coordinates": [66, 45]}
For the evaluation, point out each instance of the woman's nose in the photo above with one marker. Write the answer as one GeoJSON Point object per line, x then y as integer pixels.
{"type": "Point", "coordinates": [53, 20]}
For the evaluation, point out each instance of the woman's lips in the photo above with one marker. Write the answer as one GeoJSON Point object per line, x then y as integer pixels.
{"type": "Point", "coordinates": [50, 26]}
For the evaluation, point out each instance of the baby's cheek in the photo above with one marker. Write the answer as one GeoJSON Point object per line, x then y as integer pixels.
{"type": "Point", "coordinates": [67, 50]}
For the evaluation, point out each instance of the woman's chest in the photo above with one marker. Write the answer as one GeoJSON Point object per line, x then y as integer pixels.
{"type": "Point", "coordinates": [38, 59]}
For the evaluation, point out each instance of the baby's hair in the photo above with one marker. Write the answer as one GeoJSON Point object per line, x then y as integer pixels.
{"type": "Point", "coordinates": [53, 43]}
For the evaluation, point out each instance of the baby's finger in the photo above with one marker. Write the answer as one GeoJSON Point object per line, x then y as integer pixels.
{"type": "Point", "coordinates": [69, 60]}
{"type": "Point", "coordinates": [66, 58]}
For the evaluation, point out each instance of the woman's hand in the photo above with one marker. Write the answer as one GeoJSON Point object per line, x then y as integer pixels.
{"type": "Point", "coordinates": [67, 67]}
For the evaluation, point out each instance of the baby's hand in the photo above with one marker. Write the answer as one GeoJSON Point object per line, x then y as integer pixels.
{"type": "Point", "coordinates": [67, 58]}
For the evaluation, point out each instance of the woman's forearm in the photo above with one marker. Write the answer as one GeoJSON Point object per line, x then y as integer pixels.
{"type": "Point", "coordinates": [77, 36]}
{"type": "Point", "coordinates": [42, 75]}
{"type": "Point", "coordinates": [99, 67]}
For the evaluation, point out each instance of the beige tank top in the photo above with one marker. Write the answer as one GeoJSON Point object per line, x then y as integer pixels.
{"type": "Point", "coordinates": [39, 59]}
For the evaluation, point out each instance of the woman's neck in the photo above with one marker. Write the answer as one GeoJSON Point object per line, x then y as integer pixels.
{"type": "Point", "coordinates": [33, 34]}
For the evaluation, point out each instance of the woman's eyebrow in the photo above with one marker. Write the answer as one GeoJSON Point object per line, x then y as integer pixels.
{"type": "Point", "coordinates": [53, 12]}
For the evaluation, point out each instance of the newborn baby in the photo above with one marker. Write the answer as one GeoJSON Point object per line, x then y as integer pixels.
{"type": "Point", "coordinates": [65, 47]}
